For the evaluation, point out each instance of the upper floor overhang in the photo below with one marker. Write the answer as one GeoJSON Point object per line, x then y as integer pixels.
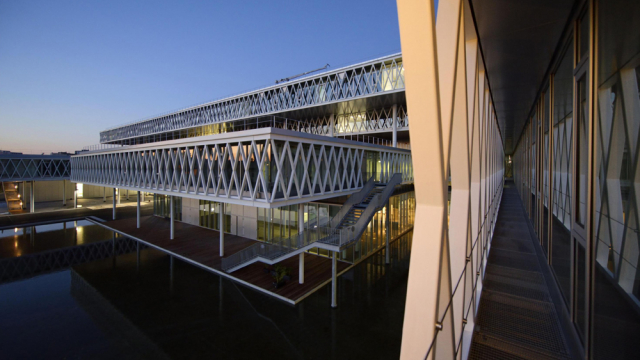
{"type": "Point", "coordinates": [359, 85]}
{"type": "Point", "coordinates": [266, 167]}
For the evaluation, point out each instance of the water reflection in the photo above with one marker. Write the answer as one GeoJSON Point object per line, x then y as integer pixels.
{"type": "Point", "coordinates": [150, 312]}
{"type": "Point", "coordinates": [21, 241]}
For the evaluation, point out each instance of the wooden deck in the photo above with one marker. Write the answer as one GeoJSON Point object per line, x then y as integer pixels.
{"type": "Point", "coordinates": [201, 247]}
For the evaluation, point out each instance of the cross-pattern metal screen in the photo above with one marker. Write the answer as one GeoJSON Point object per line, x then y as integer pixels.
{"type": "Point", "coordinates": [29, 168]}
{"type": "Point", "coordinates": [259, 171]}
{"type": "Point", "coordinates": [357, 81]}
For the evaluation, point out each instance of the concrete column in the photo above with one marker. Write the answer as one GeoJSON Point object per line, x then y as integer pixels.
{"type": "Point", "coordinates": [75, 196]}
{"type": "Point", "coordinates": [332, 124]}
{"type": "Point", "coordinates": [171, 218]}
{"type": "Point", "coordinates": [114, 203]}
{"type": "Point", "coordinates": [119, 191]}
{"type": "Point", "coordinates": [387, 227]}
{"type": "Point", "coordinates": [220, 222]}
{"type": "Point", "coordinates": [32, 198]}
{"type": "Point", "coordinates": [104, 194]}
{"type": "Point", "coordinates": [301, 266]}
{"type": "Point", "coordinates": [64, 192]}
{"type": "Point", "coordinates": [395, 125]}
{"type": "Point", "coordinates": [334, 280]}
{"type": "Point", "coordinates": [138, 211]}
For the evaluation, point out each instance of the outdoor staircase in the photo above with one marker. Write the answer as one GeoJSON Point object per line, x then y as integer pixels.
{"type": "Point", "coordinates": [11, 196]}
{"type": "Point", "coordinates": [342, 231]}
{"type": "Point", "coordinates": [356, 211]}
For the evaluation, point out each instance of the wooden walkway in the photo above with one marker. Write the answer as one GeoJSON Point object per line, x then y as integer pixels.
{"type": "Point", "coordinates": [201, 247]}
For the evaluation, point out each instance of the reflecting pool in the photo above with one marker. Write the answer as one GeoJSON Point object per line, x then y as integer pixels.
{"type": "Point", "coordinates": [122, 308]}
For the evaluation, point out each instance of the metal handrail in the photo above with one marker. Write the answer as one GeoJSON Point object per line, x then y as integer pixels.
{"type": "Point", "coordinates": [352, 200]}
{"type": "Point", "coordinates": [279, 247]}
{"type": "Point", "coordinates": [379, 200]}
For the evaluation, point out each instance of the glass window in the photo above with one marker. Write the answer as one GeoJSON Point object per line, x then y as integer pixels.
{"type": "Point", "coordinates": [545, 175]}
{"type": "Point", "coordinates": [561, 180]}
{"type": "Point", "coordinates": [583, 36]}
{"type": "Point", "coordinates": [582, 148]}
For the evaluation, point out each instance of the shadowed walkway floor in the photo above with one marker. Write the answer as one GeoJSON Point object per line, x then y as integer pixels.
{"type": "Point", "coordinates": [517, 317]}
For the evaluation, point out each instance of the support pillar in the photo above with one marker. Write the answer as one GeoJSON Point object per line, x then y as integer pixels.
{"type": "Point", "coordinates": [104, 194]}
{"type": "Point", "coordinates": [64, 192]}
{"type": "Point", "coordinates": [24, 185]}
{"type": "Point", "coordinates": [32, 198]}
{"type": "Point", "coordinates": [332, 124]}
{"type": "Point", "coordinates": [395, 125]}
{"type": "Point", "coordinates": [334, 280]}
{"type": "Point", "coordinates": [119, 191]}
{"type": "Point", "coordinates": [138, 210]}
{"type": "Point", "coordinates": [301, 269]}
{"type": "Point", "coordinates": [221, 224]}
{"type": "Point", "coordinates": [127, 194]}
{"type": "Point", "coordinates": [114, 203]}
{"type": "Point", "coordinates": [387, 228]}
{"type": "Point", "coordinates": [300, 218]}
{"type": "Point", "coordinates": [171, 219]}
{"type": "Point", "coordinates": [75, 196]}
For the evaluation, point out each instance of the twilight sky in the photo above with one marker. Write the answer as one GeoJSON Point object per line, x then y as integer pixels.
{"type": "Point", "coordinates": [69, 69]}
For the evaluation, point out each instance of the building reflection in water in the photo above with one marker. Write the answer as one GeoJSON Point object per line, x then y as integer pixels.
{"type": "Point", "coordinates": [139, 312]}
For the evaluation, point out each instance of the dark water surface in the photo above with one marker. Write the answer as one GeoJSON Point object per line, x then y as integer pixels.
{"type": "Point", "coordinates": [20, 241]}
{"type": "Point", "coordinates": [116, 308]}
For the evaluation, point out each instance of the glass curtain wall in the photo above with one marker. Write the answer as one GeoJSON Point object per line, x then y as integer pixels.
{"type": "Point", "coordinates": [209, 215]}
{"type": "Point", "coordinates": [374, 237]}
{"type": "Point", "coordinates": [276, 223]}
{"type": "Point", "coordinates": [616, 283]}
{"type": "Point", "coordinates": [545, 172]}
{"type": "Point", "coordinates": [561, 177]}
{"type": "Point", "coordinates": [593, 246]}
{"type": "Point", "coordinates": [161, 206]}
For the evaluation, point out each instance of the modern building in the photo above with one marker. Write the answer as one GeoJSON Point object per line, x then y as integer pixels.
{"type": "Point", "coordinates": [319, 165]}
{"type": "Point", "coordinates": [543, 93]}
{"type": "Point", "coordinates": [545, 266]}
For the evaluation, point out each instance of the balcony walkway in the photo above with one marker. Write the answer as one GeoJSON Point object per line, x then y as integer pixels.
{"type": "Point", "coordinates": [517, 318]}
{"type": "Point", "coordinates": [201, 247]}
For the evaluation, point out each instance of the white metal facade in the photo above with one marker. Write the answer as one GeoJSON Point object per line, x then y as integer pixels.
{"type": "Point", "coordinates": [446, 81]}
{"type": "Point", "coordinates": [34, 167]}
{"type": "Point", "coordinates": [383, 75]}
{"type": "Point", "coordinates": [264, 167]}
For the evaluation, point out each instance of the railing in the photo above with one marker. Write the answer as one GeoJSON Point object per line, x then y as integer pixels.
{"type": "Point", "coordinates": [101, 147]}
{"type": "Point", "coordinates": [32, 152]}
{"type": "Point", "coordinates": [353, 200]}
{"type": "Point", "coordinates": [258, 122]}
{"type": "Point", "coordinates": [374, 140]}
{"type": "Point", "coordinates": [353, 233]}
{"type": "Point", "coordinates": [329, 235]}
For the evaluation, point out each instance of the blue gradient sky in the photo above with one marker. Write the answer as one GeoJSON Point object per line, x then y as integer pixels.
{"type": "Point", "coordinates": [69, 69]}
